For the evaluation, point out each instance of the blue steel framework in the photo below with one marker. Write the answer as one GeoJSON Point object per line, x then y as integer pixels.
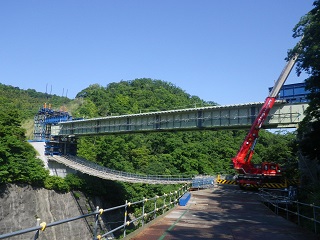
{"type": "Point", "coordinates": [293, 93]}
{"type": "Point", "coordinates": [43, 121]}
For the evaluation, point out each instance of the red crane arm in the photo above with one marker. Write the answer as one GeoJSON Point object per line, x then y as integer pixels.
{"type": "Point", "coordinates": [242, 161]}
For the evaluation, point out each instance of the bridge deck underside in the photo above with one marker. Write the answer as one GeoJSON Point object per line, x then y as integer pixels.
{"type": "Point", "coordinates": [214, 118]}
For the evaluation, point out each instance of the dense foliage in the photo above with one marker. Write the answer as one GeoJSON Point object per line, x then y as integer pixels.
{"type": "Point", "coordinates": [309, 62]}
{"type": "Point", "coordinates": [309, 130]}
{"type": "Point", "coordinates": [17, 158]}
{"type": "Point", "coordinates": [139, 95]}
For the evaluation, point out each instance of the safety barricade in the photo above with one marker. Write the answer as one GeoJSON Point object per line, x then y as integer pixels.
{"type": "Point", "coordinates": [184, 199]}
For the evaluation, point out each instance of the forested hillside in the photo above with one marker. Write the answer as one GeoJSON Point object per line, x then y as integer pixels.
{"type": "Point", "coordinates": [28, 101]}
{"type": "Point", "coordinates": [139, 95]}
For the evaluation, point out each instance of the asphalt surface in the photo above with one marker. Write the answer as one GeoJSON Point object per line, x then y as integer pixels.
{"type": "Point", "coordinates": [222, 213]}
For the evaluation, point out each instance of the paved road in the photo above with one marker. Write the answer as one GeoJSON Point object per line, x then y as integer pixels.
{"type": "Point", "coordinates": [223, 213]}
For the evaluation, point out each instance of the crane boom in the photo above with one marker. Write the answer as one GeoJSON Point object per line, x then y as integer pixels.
{"type": "Point", "coordinates": [242, 161]}
{"type": "Point", "coordinates": [283, 77]}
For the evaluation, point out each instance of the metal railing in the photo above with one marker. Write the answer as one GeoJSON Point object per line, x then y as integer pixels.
{"type": "Point", "coordinates": [149, 209]}
{"type": "Point", "coordinates": [97, 170]}
{"type": "Point", "coordinates": [284, 203]}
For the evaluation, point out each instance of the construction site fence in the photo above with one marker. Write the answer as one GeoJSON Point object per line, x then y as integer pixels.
{"type": "Point", "coordinates": [283, 202]}
{"type": "Point", "coordinates": [160, 205]}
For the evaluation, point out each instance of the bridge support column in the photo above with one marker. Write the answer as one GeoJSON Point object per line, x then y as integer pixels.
{"type": "Point", "coordinates": [61, 146]}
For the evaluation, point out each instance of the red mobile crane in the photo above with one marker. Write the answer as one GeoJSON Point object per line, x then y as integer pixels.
{"type": "Point", "coordinates": [257, 175]}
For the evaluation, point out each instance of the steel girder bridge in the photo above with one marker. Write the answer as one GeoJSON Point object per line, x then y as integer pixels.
{"type": "Point", "coordinates": [282, 115]}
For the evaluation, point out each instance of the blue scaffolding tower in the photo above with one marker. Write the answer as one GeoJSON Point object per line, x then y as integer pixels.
{"type": "Point", "coordinates": [43, 121]}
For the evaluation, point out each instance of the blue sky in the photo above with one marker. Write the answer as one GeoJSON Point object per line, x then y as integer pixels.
{"type": "Point", "coordinates": [229, 52]}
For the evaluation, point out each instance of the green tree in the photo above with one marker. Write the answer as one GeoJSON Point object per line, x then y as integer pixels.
{"type": "Point", "coordinates": [56, 183]}
{"type": "Point", "coordinates": [17, 157]}
{"type": "Point", "coordinates": [87, 109]}
{"type": "Point", "coordinates": [309, 129]}
{"type": "Point", "coordinates": [309, 62]}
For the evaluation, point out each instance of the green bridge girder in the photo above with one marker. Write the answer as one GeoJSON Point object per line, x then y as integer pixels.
{"type": "Point", "coordinates": [282, 115]}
